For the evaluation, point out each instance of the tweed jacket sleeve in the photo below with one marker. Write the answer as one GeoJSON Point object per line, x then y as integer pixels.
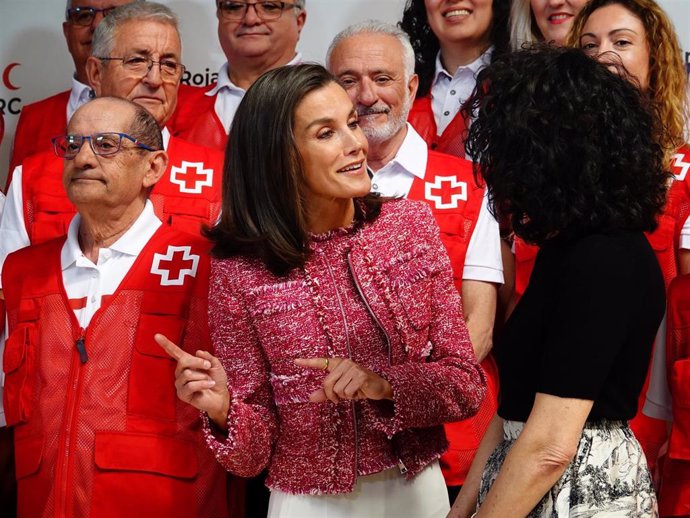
{"type": "Point", "coordinates": [252, 417]}
{"type": "Point", "coordinates": [441, 380]}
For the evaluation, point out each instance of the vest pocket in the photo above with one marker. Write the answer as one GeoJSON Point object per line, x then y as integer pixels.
{"type": "Point", "coordinates": [19, 365]}
{"type": "Point", "coordinates": [679, 444]}
{"type": "Point", "coordinates": [141, 474]}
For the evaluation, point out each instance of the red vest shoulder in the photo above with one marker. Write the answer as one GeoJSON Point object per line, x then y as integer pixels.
{"type": "Point", "coordinates": [195, 118]}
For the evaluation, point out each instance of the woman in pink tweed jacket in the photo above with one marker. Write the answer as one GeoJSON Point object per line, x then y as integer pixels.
{"type": "Point", "coordinates": [345, 353]}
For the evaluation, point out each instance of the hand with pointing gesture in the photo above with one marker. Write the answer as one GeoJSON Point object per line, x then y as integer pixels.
{"type": "Point", "coordinates": [346, 380]}
{"type": "Point", "coordinates": [200, 380]}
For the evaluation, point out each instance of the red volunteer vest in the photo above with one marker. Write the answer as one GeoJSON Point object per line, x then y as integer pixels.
{"type": "Point", "coordinates": [455, 199]}
{"type": "Point", "coordinates": [99, 431]}
{"type": "Point", "coordinates": [195, 118]}
{"type": "Point", "coordinates": [38, 123]}
{"type": "Point", "coordinates": [188, 195]}
{"type": "Point", "coordinates": [674, 491]}
{"type": "Point", "coordinates": [451, 141]}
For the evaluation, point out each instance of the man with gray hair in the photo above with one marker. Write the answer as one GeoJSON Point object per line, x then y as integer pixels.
{"type": "Point", "coordinates": [42, 120]}
{"type": "Point", "coordinates": [91, 396]}
{"type": "Point", "coordinates": [256, 37]}
{"type": "Point", "coordinates": [374, 62]}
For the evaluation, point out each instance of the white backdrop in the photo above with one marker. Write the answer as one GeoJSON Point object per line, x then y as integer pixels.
{"type": "Point", "coordinates": [35, 63]}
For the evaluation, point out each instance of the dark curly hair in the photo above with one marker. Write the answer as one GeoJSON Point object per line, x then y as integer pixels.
{"type": "Point", "coordinates": [565, 146]}
{"type": "Point", "coordinates": [426, 45]}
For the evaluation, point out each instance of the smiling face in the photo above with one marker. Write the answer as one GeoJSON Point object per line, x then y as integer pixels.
{"type": "Point", "coordinates": [555, 17]}
{"type": "Point", "coordinates": [466, 22]}
{"type": "Point", "coordinates": [140, 38]}
{"type": "Point", "coordinates": [332, 147]}
{"type": "Point", "coordinates": [271, 43]}
{"type": "Point", "coordinates": [119, 180]}
{"type": "Point", "coordinates": [370, 68]}
{"type": "Point", "coordinates": [612, 34]}
{"type": "Point", "coordinates": [78, 37]}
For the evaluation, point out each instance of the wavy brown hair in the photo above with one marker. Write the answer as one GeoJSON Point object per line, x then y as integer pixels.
{"type": "Point", "coordinates": [668, 80]}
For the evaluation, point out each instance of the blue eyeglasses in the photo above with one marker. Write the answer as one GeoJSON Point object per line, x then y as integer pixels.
{"type": "Point", "coordinates": [102, 144]}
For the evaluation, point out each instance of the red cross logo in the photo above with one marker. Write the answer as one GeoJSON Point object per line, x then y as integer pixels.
{"type": "Point", "coordinates": [680, 166]}
{"type": "Point", "coordinates": [191, 177]}
{"type": "Point", "coordinates": [449, 191]}
{"type": "Point", "coordinates": [175, 265]}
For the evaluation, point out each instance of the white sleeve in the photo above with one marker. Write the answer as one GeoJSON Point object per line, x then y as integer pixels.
{"type": "Point", "coordinates": [13, 234]}
{"type": "Point", "coordinates": [483, 261]}
{"type": "Point", "coordinates": [685, 235]}
{"type": "Point", "coordinates": [658, 398]}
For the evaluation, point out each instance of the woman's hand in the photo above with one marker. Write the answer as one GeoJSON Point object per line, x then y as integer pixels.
{"type": "Point", "coordinates": [346, 380]}
{"type": "Point", "coordinates": [201, 381]}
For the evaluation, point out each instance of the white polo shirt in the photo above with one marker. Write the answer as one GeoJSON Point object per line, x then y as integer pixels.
{"type": "Point", "coordinates": [483, 260]}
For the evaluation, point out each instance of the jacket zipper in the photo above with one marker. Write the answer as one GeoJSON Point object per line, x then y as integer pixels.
{"type": "Point", "coordinates": [349, 352]}
{"type": "Point", "coordinates": [401, 464]}
{"type": "Point", "coordinates": [64, 459]}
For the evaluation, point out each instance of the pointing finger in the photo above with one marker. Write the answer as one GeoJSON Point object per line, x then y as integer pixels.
{"type": "Point", "coordinates": [169, 347]}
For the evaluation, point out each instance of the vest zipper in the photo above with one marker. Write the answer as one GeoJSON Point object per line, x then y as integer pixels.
{"type": "Point", "coordinates": [81, 347]}
{"type": "Point", "coordinates": [63, 475]}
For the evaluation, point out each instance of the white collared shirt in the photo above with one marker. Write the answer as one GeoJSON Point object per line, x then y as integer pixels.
{"type": "Point", "coordinates": [87, 283]}
{"type": "Point", "coordinates": [228, 95]}
{"type": "Point", "coordinates": [450, 91]}
{"type": "Point", "coordinates": [483, 260]}
{"type": "Point", "coordinates": [80, 94]}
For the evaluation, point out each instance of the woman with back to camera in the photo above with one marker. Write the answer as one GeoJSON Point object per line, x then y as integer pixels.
{"type": "Point", "coordinates": [333, 314]}
{"type": "Point", "coordinates": [582, 177]}
{"type": "Point", "coordinates": [639, 34]}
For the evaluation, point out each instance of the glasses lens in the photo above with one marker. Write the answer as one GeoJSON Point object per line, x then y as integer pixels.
{"type": "Point", "coordinates": [269, 10]}
{"type": "Point", "coordinates": [81, 15]}
{"type": "Point", "coordinates": [105, 144]}
{"type": "Point", "coordinates": [232, 10]}
{"type": "Point", "coordinates": [67, 146]}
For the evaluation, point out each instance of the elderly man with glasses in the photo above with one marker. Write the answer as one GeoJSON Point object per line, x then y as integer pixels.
{"type": "Point", "coordinates": [256, 36]}
{"type": "Point", "coordinates": [42, 120]}
{"type": "Point", "coordinates": [136, 56]}
{"type": "Point", "coordinates": [98, 430]}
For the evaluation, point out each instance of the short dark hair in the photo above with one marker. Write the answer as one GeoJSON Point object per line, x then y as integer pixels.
{"type": "Point", "coordinates": [565, 146]}
{"type": "Point", "coordinates": [426, 45]}
{"type": "Point", "coordinates": [145, 128]}
{"type": "Point", "coordinates": [263, 211]}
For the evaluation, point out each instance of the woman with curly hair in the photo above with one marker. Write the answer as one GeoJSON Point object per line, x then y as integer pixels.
{"type": "Point", "coordinates": [532, 21]}
{"type": "Point", "coordinates": [582, 177]}
{"type": "Point", "coordinates": [452, 43]}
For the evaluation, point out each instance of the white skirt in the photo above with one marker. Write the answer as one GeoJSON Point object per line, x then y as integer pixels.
{"type": "Point", "coordinates": [381, 495]}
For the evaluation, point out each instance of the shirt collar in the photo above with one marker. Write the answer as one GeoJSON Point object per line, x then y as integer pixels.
{"type": "Point", "coordinates": [225, 82]}
{"type": "Point", "coordinates": [79, 94]}
{"type": "Point", "coordinates": [165, 133]}
{"type": "Point", "coordinates": [474, 67]}
{"type": "Point", "coordinates": [130, 243]}
{"type": "Point", "coordinates": [412, 154]}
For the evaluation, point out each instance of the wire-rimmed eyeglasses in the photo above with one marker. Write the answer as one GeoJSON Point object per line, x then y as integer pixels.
{"type": "Point", "coordinates": [84, 16]}
{"type": "Point", "coordinates": [266, 10]}
{"type": "Point", "coordinates": [171, 70]}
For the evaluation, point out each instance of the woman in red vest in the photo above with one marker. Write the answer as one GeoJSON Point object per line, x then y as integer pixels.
{"type": "Point", "coordinates": [339, 334]}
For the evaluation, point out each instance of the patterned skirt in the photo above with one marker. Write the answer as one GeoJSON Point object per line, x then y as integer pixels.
{"type": "Point", "coordinates": [608, 478]}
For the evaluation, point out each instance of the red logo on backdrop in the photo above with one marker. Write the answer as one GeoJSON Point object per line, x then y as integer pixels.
{"type": "Point", "coordinates": [6, 80]}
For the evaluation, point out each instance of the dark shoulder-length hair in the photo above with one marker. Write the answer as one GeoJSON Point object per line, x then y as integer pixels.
{"type": "Point", "coordinates": [426, 45]}
{"type": "Point", "coordinates": [565, 146]}
{"type": "Point", "coordinates": [263, 211]}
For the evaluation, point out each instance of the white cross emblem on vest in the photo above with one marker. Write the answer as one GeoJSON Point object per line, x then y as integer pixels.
{"type": "Point", "coordinates": [191, 177]}
{"type": "Point", "coordinates": [175, 265]}
{"type": "Point", "coordinates": [680, 163]}
{"type": "Point", "coordinates": [449, 191]}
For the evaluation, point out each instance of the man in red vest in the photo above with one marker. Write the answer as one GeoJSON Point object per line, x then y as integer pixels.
{"type": "Point", "coordinates": [256, 37]}
{"type": "Point", "coordinates": [374, 62]}
{"type": "Point", "coordinates": [91, 396]}
{"type": "Point", "coordinates": [42, 120]}
{"type": "Point", "coordinates": [137, 54]}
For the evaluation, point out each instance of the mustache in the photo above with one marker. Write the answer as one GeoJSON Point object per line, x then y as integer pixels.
{"type": "Point", "coordinates": [374, 109]}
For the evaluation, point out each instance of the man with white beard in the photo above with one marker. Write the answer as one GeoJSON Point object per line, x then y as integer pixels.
{"type": "Point", "coordinates": [374, 62]}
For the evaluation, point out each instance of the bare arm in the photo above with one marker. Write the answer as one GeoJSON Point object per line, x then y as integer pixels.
{"type": "Point", "coordinates": [466, 502]}
{"type": "Point", "coordinates": [538, 457]}
{"type": "Point", "coordinates": [684, 261]}
{"type": "Point", "coordinates": [479, 307]}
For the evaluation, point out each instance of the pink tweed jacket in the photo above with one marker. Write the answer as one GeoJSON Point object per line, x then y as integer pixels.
{"type": "Point", "coordinates": [261, 322]}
